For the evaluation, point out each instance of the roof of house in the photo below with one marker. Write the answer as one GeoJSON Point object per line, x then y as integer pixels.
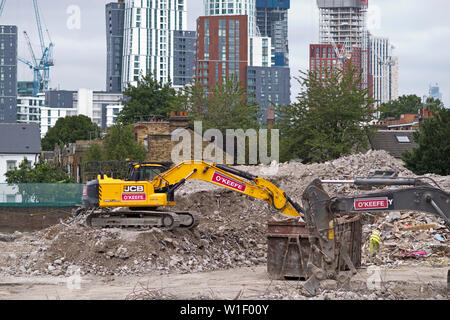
{"type": "Point", "coordinates": [395, 142]}
{"type": "Point", "coordinates": [20, 138]}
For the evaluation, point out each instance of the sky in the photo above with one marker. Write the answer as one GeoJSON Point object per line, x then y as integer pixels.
{"type": "Point", "coordinates": [419, 30]}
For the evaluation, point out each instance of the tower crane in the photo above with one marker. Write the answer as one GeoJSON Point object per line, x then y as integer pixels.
{"type": "Point", "coordinates": [2, 5]}
{"type": "Point", "coordinates": [46, 60]}
{"type": "Point", "coordinates": [36, 74]}
{"type": "Point", "coordinates": [47, 51]}
{"type": "Point", "coordinates": [35, 65]}
{"type": "Point", "coordinates": [41, 67]}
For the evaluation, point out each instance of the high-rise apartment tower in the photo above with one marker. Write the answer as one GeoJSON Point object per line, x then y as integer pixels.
{"type": "Point", "coordinates": [272, 21]}
{"type": "Point", "coordinates": [8, 74]}
{"type": "Point", "coordinates": [149, 38]}
{"type": "Point", "coordinates": [115, 13]}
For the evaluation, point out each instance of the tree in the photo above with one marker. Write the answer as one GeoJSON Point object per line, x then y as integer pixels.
{"type": "Point", "coordinates": [149, 98]}
{"type": "Point", "coordinates": [227, 107]}
{"type": "Point", "coordinates": [42, 184]}
{"type": "Point", "coordinates": [69, 130]}
{"type": "Point", "coordinates": [196, 101]}
{"type": "Point", "coordinates": [119, 144]}
{"type": "Point", "coordinates": [433, 153]}
{"type": "Point", "coordinates": [329, 120]}
{"type": "Point", "coordinates": [42, 172]}
{"type": "Point", "coordinates": [407, 104]}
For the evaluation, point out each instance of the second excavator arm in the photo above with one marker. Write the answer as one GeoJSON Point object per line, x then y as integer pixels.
{"type": "Point", "coordinates": [229, 178]}
{"type": "Point", "coordinates": [321, 210]}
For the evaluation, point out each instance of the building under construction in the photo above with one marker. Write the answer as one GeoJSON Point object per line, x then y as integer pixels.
{"type": "Point", "coordinates": [343, 22]}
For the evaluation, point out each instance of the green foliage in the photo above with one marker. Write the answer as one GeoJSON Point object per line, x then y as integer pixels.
{"type": "Point", "coordinates": [94, 152]}
{"type": "Point", "coordinates": [407, 104]}
{"type": "Point", "coordinates": [118, 144]}
{"type": "Point", "coordinates": [433, 152]}
{"type": "Point", "coordinates": [227, 107]}
{"type": "Point", "coordinates": [69, 130]}
{"type": "Point", "coordinates": [149, 98]}
{"type": "Point", "coordinates": [42, 172]}
{"type": "Point", "coordinates": [44, 184]}
{"type": "Point", "coordinates": [329, 119]}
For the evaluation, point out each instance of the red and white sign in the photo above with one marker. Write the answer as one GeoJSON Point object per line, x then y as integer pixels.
{"type": "Point", "coordinates": [134, 197]}
{"type": "Point", "coordinates": [228, 182]}
{"type": "Point", "coordinates": [374, 203]}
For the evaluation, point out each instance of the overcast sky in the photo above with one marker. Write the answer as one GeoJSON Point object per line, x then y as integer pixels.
{"type": "Point", "coordinates": [419, 30]}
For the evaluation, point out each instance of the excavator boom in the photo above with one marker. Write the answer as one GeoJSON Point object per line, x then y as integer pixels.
{"type": "Point", "coordinates": [228, 178]}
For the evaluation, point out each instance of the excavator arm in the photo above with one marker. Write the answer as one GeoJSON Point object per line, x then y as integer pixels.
{"type": "Point", "coordinates": [229, 178]}
{"type": "Point", "coordinates": [321, 211]}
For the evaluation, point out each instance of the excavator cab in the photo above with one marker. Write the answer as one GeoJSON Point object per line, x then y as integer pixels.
{"type": "Point", "coordinates": [145, 171]}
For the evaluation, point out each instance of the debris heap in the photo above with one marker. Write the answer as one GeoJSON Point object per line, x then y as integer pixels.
{"type": "Point", "coordinates": [232, 231]}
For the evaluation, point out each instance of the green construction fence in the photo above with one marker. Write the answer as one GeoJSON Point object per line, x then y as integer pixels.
{"type": "Point", "coordinates": [41, 194]}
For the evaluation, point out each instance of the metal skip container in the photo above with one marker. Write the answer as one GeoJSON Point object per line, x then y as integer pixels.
{"type": "Point", "coordinates": [288, 247]}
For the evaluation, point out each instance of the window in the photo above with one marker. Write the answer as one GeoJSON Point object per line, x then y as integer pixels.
{"type": "Point", "coordinates": [403, 139]}
{"type": "Point", "coordinates": [10, 165]}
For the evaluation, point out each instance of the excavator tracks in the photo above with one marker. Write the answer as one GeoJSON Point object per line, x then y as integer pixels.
{"type": "Point", "coordinates": [143, 219]}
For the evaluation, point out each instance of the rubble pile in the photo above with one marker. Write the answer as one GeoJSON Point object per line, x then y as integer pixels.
{"type": "Point", "coordinates": [230, 235]}
{"type": "Point", "coordinates": [232, 231]}
{"type": "Point", "coordinates": [408, 238]}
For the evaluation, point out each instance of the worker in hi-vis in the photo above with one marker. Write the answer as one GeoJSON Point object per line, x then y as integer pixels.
{"type": "Point", "coordinates": [375, 241]}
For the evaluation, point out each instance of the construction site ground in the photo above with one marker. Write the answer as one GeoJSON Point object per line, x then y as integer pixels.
{"type": "Point", "coordinates": [225, 257]}
{"type": "Point", "coordinates": [248, 283]}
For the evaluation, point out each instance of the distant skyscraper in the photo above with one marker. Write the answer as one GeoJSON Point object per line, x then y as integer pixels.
{"type": "Point", "coordinates": [434, 92]}
{"type": "Point", "coordinates": [233, 7]}
{"type": "Point", "coordinates": [8, 74]}
{"type": "Point", "coordinates": [184, 57]}
{"type": "Point", "coordinates": [381, 64]}
{"type": "Point", "coordinates": [272, 21]}
{"type": "Point", "coordinates": [271, 86]}
{"type": "Point", "coordinates": [115, 13]}
{"type": "Point", "coordinates": [344, 22]}
{"type": "Point", "coordinates": [230, 43]}
{"type": "Point", "coordinates": [222, 43]}
{"type": "Point", "coordinates": [149, 38]}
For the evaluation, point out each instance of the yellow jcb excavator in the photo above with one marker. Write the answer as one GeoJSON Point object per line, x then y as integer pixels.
{"type": "Point", "coordinates": [140, 199]}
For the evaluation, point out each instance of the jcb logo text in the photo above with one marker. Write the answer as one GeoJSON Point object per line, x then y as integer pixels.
{"type": "Point", "coordinates": [133, 189]}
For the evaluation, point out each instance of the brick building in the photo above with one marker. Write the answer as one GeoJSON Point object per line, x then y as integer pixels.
{"type": "Point", "coordinates": [222, 49]}
{"type": "Point", "coordinates": [407, 121]}
{"type": "Point", "coordinates": [156, 136]}
{"type": "Point", "coordinates": [70, 158]}
{"type": "Point", "coordinates": [323, 57]}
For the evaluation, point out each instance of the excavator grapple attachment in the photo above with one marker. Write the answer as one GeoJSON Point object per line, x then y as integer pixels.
{"type": "Point", "coordinates": [321, 212]}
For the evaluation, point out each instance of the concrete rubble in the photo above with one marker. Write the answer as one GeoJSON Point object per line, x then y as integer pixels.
{"type": "Point", "coordinates": [232, 232]}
